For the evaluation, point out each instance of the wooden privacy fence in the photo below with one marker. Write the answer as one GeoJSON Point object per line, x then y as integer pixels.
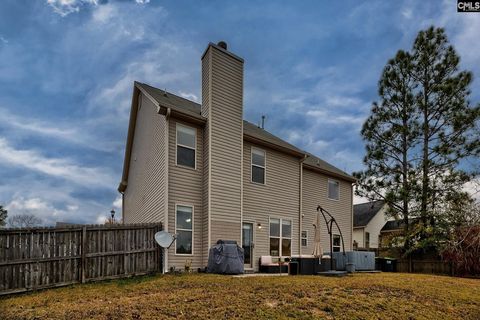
{"type": "Point", "coordinates": [425, 266]}
{"type": "Point", "coordinates": [40, 258]}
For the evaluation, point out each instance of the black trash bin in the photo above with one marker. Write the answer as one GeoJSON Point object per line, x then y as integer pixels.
{"type": "Point", "coordinates": [390, 265]}
{"type": "Point", "coordinates": [386, 264]}
{"type": "Point", "coordinates": [293, 268]}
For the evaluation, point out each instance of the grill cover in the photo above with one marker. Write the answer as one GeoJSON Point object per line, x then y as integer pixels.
{"type": "Point", "coordinates": [226, 257]}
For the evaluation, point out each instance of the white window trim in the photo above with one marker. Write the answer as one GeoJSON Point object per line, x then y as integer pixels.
{"type": "Point", "coordinates": [302, 237]}
{"type": "Point", "coordinates": [328, 189]}
{"type": "Point", "coordinates": [177, 124]}
{"type": "Point", "coordinates": [281, 237]}
{"type": "Point", "coordinates": [193, 228]}
{"type": "Point", "coordinates": [256, 165]}
{"type": "Point", "coordinates": [339, 246]}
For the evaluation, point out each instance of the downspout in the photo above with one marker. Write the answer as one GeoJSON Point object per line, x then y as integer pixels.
{"type": "Point", "coordinates": [167, 204]}
{"type": "Point", "coordinates": [123, 206]}
{"type": "Point", "coordinates": [300, 206]}
{"type": "Point", "coordinates": [351, 215]}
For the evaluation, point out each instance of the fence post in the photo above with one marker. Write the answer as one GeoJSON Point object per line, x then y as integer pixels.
{"type": "Point", "coordinates": [84, 253]}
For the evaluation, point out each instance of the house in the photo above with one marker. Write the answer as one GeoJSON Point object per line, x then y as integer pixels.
{"type": "Point", "coordinates": [368, 219]}
{"type": "Point", "coordinates": [207, 174]}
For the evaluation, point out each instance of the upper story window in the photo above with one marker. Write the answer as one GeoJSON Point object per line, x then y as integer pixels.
{"type": "Point", "coordinates": [258, 165]}
{"type": "Point", "coordinates": [367, 240]}
{"type": "Point", "coordinates": [186, 146]}
{"type": "Point", "coordinates": [333, 189]}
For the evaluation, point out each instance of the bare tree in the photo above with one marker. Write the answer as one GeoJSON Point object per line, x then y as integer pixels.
{"type": "Point", "coordinates": [3, 216]}
{"type": "Point", "coordinates": [25, 220]}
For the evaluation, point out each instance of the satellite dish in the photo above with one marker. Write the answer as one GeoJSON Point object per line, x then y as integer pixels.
{"type": "Point", "coordinates": [165, 239]}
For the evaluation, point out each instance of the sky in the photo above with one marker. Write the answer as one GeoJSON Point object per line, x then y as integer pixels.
{"type": "Point", "coordinates": [67, 69]}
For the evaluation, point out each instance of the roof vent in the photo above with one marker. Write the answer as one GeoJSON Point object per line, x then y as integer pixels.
{"type": "Point", "coordinates": [222, 44]}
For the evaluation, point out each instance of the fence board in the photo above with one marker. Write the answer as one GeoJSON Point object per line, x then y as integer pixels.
{"type": "Point", "coordinates": [40, 258]}
{"type": "Point", "coordinates": [425, 266]}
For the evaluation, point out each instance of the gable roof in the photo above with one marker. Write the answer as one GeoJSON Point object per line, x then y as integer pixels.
{"type": "Point", "coordinates": [188, 110]}
{"type": "Point", "coordinates": [364, 212]}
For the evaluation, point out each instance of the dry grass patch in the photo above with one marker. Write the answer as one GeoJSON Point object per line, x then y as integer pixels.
{"type": "Point", "coordinates": [201, 296]}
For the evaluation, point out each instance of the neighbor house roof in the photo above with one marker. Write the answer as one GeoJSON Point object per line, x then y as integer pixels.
{"type": "Point", "coordinates": [393, 225]}
{"type": "Point", "coordinates": [364, 212]}
{"type": "Point", "coordinates": [185, 109]}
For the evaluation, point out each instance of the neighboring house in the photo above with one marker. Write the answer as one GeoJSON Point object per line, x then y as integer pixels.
{"type": "Point", "coordinates": [368, 219]}
{"type": "Point", "coordinates": [207, 174]}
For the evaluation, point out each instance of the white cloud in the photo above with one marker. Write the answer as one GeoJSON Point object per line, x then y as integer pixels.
{"type": "Point", "coordinates": [55, 167]}
{"type": "Point", "coordinates": [3, 40]}
{"type": "Point", "coordinates": [80, 134]}
{"type": "Point", "coordinates": [142, 1]}
{"type": "Point", "coordinates": [189, 96]}
{"type": "Point", "coordinates": [101, 219]}
{"type": "Point", "coordinates": [43, 209]}
{"type": "Point", "coordinates": [152, 67]}
{"type": "Point", "coordinates": [65, 7]}
{"type": "Point", "coordinates": [104, 13]}
{"type": "Point", "coordinates": [117, 203]}
{"type": "Point", "coordinates": [358, 199]}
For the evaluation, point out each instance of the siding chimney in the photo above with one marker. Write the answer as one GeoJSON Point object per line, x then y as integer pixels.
{"type": "Point", "coordinates": [222, 105]}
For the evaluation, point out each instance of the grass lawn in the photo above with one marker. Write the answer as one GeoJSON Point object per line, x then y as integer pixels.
{"type": "Point", "coordinates": [202, 296]}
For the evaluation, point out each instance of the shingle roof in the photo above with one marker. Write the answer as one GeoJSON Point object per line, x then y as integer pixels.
{"type": "Point", "coordinates": [193, 109]}
{"type": "Point", "coordinates": [393, 225]}
{"type": "Point", "coordinates": [170, 100]}
{"type": "Point", "coordinates": [252, 130]}
{"type": "Point", "coordinates": [364, 212]}
{"type": "Point", "coordinates": [398, 224]}
{"type": "Point", "coordinates": [315, 162]}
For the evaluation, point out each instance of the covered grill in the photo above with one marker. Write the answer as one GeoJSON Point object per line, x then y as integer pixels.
{"type": "Point", "coordinates": [226, 257]}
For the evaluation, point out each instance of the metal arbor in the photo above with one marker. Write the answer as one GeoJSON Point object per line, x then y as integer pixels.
{"type": "Point", "coordinates": [329, 222]}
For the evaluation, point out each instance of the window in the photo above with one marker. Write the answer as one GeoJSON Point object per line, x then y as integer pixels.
{"type": "Point", "coordinates": [367, 240]}
{"type": "Point", "coordinates": [304, 238]}
{"type": "Point", "coordinates": [258, 166]}
{"type": "Point", "coordinates": [186, 142]}
{"type": "Point", "coordinates": [280, 237]}
{"type": "Point", "coordinates": [184, 230]}
{"type": "Point", "coordinates": [333, 189]}
{"type": "Point", "coordinates": [336, 244]}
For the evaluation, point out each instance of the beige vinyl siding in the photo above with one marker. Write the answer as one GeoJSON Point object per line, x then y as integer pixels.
{"type": "Point", "coordinates": [358, 236]}
{"type": "Point", "coordinates": [315, 193]}
{"type": "Point", "coordinates": [144, 197]}
{"type": "Point", "coordinates": [224, 85]}
{"type": "Point", "coordinates": [185, 188]}
{"type": "Point", "coordinates": [374, 227]}
{"type": "Point", "coordinates": [278, 198]}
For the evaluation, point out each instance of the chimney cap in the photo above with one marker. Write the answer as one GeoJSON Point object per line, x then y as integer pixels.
{"type": "Point", "coordinates": [222, 44]}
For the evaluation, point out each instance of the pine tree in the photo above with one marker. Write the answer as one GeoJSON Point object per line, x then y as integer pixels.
{"type": "Point", "coordinates": [392, 133]}
{"type": "Point", "coordinates": [419, 137]}
{"type": "Point", "coordinates": [448, 122]}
